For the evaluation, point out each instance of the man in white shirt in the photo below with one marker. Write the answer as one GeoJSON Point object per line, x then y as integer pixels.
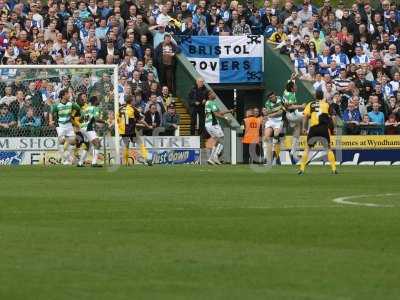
{"type": "Point", "coordinates": [294, 18]}
{"type": "Point", "coordinates": [390, 56]}
{"type": "Point", "coordinates": [72, 58]}
{"type": "Point", "coordinates": [163, 18]}
{"type": "Point", "coordinates": [395, 83]}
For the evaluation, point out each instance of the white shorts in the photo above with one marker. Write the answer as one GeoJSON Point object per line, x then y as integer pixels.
{"type": "Point", "coordinates": [274, 123]}
{"type": "Point", "coordinates": [88, 136]}
{"type": "Point", "coordinates": [65, 130]}
{"type": "Point", "coordinates": [214, 131]}
{"type": "Point", "coordinates": [294, 118]}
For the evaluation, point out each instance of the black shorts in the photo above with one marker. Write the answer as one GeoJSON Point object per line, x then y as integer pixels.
{"type": "Point", "coordinates": [319, 133]}
{"type": "Point", "coordinates": [79, 139]}
{"type": "Point", "coordinates": [128, 137]}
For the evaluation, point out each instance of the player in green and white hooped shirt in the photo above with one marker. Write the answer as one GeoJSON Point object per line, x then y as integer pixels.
{"type": "Point", "coordinates": [294, 114]}
{"type": "Point", "coordinates": [273, 126]}
{"type": "Point", "coordinates": [213, 127]}
{"type": "Point", "coordinates": [62, 113]}
{"type": "Point", "coordinates": [89, 116]}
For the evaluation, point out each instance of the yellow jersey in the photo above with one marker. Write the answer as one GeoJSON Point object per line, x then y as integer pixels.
{"type": "Point", "coordinates": [127, 118]}
{"type": "Point", "coordinates": [76, 116]}
{"type": "Point", "coordinates": [318, 112]}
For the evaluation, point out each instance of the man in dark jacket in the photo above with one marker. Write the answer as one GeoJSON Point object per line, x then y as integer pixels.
{"type": "Point", "coordinates": [363, 85]}
{"type": "Point", "coordinates": [165, 58]}
{"type": "Point", "coordinates": [197, 100]}
{"type": "Point", "coordinates": [153, 119]}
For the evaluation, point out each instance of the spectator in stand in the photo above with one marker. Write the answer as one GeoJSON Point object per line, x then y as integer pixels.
{"type": "Point", "coordinates": [8, 97]}
{"type": "Point", "coordinates": [156, 101]}
{"type": "Point", "coordinates": [324, 61]}
{"type": "Point", "coordinates": [351, 118]}
{"type": "Point", "coordinates": [153, 119]}
{"type": "Point", "coordinates": [171, 120]}
{"type": "Point", "coordinates": [165, 58]}
{"type": "Point", "coordinates": [392, 125]}
{"type": "Point", "coordinates": [7, 119]}
{"type": "Point", "coordinates": [366, 126]}
{"type": "Point", "coordinates": [30, 120]}
{"type": "Point", "coordinates": [377, 118]}
{"type": "Point", "coordinates": [241, 28]}
{"type": "Point", "coordinates": [301, 62]}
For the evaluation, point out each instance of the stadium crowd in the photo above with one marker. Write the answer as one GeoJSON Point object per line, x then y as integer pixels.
{"type": "Point", "coordinates": [84, 32]}
{"type": "Point", "coordinates": [350, 53]}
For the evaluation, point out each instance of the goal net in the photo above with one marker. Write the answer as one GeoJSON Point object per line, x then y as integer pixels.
{"type": "Point", "coordinates": [27, 98]}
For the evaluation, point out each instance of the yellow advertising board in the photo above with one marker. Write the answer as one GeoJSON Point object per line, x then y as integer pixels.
{"type": "Point", "coordinates": [349, 142]}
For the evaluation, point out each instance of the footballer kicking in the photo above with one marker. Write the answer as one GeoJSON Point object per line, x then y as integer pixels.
{"type": "Point", "coordinates": [62, 113]}
{"type": "Point", "coordinates": [321, 125]}
{"type": "Point", "coordinates": [128, 118]}
{"type": "Point", "coordinates": [214, 128]}
{"type": "Point", "coordinates": [273, 126]}
{"type": "Point", "coordinates": [89, 116]}
{"type": "Point", "coordinates": [294, 115]}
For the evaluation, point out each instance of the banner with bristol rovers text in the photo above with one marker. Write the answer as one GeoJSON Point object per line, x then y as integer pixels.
{"type": "Point", "coordinates": [226, 59]}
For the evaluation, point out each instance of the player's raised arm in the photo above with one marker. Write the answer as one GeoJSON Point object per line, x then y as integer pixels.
{"type": "Point", "coordinates": [221, 114]}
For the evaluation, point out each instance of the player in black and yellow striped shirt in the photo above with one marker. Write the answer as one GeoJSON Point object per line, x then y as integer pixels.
{"type": "Point", "coordinates": [128, 117]}
{"type": "Point", "coordinates": [317, 113]}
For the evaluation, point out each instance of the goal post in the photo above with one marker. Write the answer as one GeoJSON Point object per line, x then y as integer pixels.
{"type": "Point", "coordinates": [28, 91]}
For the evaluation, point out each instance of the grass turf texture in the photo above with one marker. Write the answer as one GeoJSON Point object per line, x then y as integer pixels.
{"type": "Point", "coordinates": [194, 232]}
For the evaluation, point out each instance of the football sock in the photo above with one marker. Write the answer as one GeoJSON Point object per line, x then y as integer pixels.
{"type": "Point", "coordinates": [95, 155]}
{"type": "Point", "coordinates": [219, 149]}
{"type": "Point", "coordinates": [83, 155]}
{"type": "Point", "coordinates": [277, 149]}
{"type": "Point", "coordinates": [126, 156]}
{"type": "Point", "coordinates": [295, 144]}
{"type": "Point", "coordinates": [61, 149]}
{"type": "Point", "coordinates": [331, 159]}
{"type": "Point", "coordinates": [269, 151]}
{"type": "Point", "coordinates": [143, 151]}
{"type": "Point", "coordinates": [304, 160]}
{"type": "Point", "coordinates": [213, 151]}
{"type": "Point", "coordinates": [265, 149]}
{"type": "Point", "coordinates": [69, 152]}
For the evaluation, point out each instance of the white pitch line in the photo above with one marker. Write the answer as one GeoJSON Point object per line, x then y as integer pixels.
{"type": "Point", "coordinates": [276, 207]}
{"type": "Point", "coordinates": [346, 200]}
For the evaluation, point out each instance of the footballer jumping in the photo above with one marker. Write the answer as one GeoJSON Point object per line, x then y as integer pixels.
{"type": "Point", "coordinates": [294, 114]}
{"type": "Point", "coordinates": [273, 126]}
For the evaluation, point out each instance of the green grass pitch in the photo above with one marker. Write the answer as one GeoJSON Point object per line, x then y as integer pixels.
{"type": "Point", "coordinates": [196, 232]}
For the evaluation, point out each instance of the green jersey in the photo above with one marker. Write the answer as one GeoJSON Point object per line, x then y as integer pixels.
{"type": "Point", "coordinates": [64, 111]}
{"type": "Point", "coordinates": [211, 108]}
{"type": "Point", "coordinates": [273, 107]}
{"type": "Point", "coordinates": [289, 98]}
{"type": "Point", "coordinates": [89, 114]}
